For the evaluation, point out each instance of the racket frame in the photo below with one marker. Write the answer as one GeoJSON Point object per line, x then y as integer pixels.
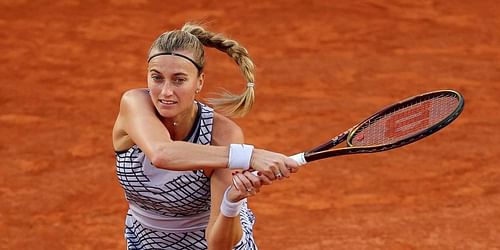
{"type": "Point", "coordinates": [324, 150]}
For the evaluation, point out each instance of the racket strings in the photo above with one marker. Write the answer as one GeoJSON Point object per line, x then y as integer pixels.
{"type": "Point", "coordinates": [405, 120]}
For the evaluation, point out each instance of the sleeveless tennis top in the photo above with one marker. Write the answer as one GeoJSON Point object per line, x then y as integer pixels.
{"type": "Point", "coordinates": [170, 209]}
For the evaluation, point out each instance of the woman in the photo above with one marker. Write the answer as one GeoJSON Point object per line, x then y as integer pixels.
{"type": "Point", "coordinates": [176, 156]}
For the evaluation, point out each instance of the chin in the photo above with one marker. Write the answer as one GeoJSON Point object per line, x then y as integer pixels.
{"type": "Point", "coordinates": [166, 113]}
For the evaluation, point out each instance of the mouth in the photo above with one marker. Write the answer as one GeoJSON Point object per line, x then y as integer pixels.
{"type": "Point", "coordinates": [167, 102]}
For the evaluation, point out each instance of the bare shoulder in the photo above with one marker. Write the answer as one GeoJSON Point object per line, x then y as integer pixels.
{"type": "Point", "coordinates": [226, 131]}
{"type": "Point", "coordinates": [134, 95]}
{"type": "Point", "coordinates": [130, 99]}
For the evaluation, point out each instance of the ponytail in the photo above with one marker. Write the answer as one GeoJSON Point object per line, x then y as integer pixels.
{"type": "Point", "coordinates": [230, 104]}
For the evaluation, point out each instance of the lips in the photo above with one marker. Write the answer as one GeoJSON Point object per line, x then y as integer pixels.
{"type": "Point", "coordinates": [167, 102]}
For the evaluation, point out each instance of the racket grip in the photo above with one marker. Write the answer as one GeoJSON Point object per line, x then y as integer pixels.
{"type": "Point", "coordinates": [299, 158]}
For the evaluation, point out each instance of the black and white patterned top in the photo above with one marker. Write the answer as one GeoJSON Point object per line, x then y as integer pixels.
{"type": "Point", "coordinates": [170, 209]}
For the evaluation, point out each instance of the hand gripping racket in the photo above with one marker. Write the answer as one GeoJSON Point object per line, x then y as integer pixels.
{"type": "Point", "coordinates": [394, 126]}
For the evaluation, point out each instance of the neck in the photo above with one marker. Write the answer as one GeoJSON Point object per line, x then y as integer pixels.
{"type": "Point", "coordinates": [181, 125]}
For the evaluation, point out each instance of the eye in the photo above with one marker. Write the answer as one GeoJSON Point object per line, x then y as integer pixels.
{"type": "Point", "coordinates": [180, 80]}
{"type": "Point", "coordinates": [156, 78]}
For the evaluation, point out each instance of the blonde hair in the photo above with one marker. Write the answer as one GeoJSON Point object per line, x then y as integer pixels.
{"type": "Point", "coordinates": [192, 37]}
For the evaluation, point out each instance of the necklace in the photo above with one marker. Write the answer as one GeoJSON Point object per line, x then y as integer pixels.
{"type": "Point", "coordinates": [180, 127]}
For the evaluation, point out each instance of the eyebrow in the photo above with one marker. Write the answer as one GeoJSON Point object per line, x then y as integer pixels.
{"type": "Point", "coordinates": [155, 71]}
{"type": "Point", "coordinates": [175, 74]}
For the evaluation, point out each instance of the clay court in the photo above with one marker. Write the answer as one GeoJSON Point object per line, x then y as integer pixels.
{"type": "Point", "coordinates": [322, 66]}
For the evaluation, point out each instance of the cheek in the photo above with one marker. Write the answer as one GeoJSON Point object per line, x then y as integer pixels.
{"type": "Point", "coordinates": [187, 90]}
{"type": "Point", "coordinates": [186, 93]}
{"type": "Point", "coordinates": [151, 83]}
{"type": "Point", "coordinates": [154, 92]}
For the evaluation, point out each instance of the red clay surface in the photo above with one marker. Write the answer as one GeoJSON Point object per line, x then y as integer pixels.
{"type": "Point", "coordinates": [322, 66]}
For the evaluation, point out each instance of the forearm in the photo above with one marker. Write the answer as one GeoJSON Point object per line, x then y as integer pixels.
{"type": "Point", "coordinates": [181, 156]}
{"type": "Point", "coordinates": [225, 233]}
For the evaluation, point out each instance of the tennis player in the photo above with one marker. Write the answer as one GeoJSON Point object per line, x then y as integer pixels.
{"type": "Point", "coordinates": [183, 166]}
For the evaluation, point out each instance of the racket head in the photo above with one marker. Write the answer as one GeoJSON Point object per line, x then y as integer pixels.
{"type": "Point", "coordinates": [406, 121]}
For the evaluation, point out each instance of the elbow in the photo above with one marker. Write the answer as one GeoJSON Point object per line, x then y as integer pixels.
{"type": "Point", "coordinates": [161, 157]}
{"type": "Point", "coordinates": [159, 160]}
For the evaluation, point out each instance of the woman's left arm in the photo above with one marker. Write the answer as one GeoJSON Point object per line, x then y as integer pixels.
{"type": "Point", "coordinates": [223, 232]}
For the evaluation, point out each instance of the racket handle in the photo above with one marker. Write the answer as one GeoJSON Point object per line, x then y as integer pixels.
{"type": "Point", "coordinates": [299, 158]}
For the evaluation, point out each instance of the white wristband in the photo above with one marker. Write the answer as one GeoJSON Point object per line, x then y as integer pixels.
{"type": "Point", "coordinates": [239, 156]}
{"type": "Point", "coordinates": [230, 209]}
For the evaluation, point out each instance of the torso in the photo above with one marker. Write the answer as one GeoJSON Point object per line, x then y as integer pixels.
{"type": "Point", "coordinates": [167, 192]}
{"type": "Point", "coordinates": [159, 197]}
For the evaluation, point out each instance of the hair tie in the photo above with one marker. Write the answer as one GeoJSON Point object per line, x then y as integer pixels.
{"type": "Point", "coordinates": [250, 85]}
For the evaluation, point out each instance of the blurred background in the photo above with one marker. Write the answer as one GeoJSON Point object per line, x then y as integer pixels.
{"type": "Point", "coordinates": [322, 66]}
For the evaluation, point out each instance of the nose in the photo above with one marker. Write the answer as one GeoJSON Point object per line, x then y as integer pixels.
{"type": "Point", "coordinates": [167, 89]}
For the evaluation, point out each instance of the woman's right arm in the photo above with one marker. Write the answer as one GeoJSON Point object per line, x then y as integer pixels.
{"type": "Point", "coordinates": [138, 120]}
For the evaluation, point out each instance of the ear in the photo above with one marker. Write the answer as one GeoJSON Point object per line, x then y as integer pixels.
{"type": "Point", "coordinates": [201, 80]}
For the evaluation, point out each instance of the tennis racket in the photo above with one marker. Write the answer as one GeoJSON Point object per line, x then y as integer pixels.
{"type": "Point", "coordinates": [394, 126]}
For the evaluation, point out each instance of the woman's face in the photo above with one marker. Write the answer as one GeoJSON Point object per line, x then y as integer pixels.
{"type": "Point", "coordinates": [173, 82]}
